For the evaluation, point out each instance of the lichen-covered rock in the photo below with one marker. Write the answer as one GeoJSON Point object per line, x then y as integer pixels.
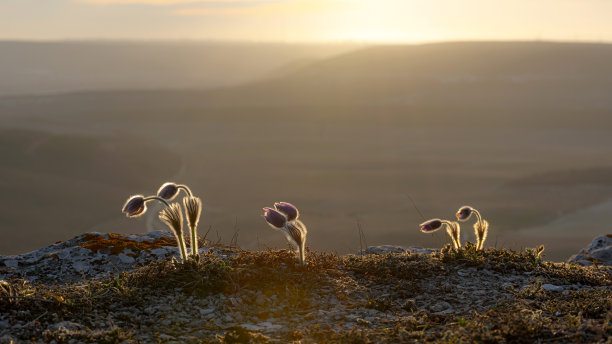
{"type": "Point", "coordinates": [599, 252]}
{"type": "Point", "coordinates": [90, 255]}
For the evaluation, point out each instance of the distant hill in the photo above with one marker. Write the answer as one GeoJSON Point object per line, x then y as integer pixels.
{"type": "Point", "coordinates": [546, 80]}
{"type": "Point", "coordinates": [52, 67]}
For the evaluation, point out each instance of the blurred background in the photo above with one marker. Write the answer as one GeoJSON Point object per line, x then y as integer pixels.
{"type": "Point", "coordinates": [364, 114]}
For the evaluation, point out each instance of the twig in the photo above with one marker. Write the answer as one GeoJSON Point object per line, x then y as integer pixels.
{"type": "Point", "coordinates": [234, 241]}
{"type": "Point", "coordinates": [205, 235]}
{"type": "Point", "coordinates": [415, 207]}
{"type": "Point", "coordinates": [38, 317]}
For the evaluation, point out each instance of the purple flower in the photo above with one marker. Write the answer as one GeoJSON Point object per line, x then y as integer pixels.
{"type": "Point", "coordinates": [135, 206]}
{"type": "Point", "coordinates": [274, 218]}
{"type": "Point", "coordinates": [464, 213]}
{"type": "Point", "coordinates": [431, 226]}
{"type": "Point", "coordinates": [288, 209]}
{"type": "Point", "coordinates": [168, 191]}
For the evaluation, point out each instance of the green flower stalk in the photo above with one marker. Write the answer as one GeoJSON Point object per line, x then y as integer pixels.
{"type": "Point", "coordinates": [193, 210]}
{"type": "Point", "coordinates": [172, 216]}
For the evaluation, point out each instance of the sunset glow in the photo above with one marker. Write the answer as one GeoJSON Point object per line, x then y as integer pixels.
{"type": "Point", "coordinates": [307, 20]}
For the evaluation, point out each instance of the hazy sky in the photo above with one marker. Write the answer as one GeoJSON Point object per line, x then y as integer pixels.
{"type": "Point", "coordinates": [307, 20]}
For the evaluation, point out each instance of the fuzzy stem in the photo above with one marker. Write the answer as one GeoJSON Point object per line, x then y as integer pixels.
{"type": "Point", "coordinates": [181, 245]}
{"type": "Point", "coordinates": [150, 198]}
{"type": "Point", "coordinates": [302, 254]}
{"type": "Point", "coordinates": [186, 188]}
{"type": "Point", "coordinates": [194, 242]}
{"type": "Point", "coordinates": [479, 241]}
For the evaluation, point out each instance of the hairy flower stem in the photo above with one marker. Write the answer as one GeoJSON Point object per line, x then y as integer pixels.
{"type": "Point", "coordinates": [186, 188]}
{"type": "Point", "coordinates": [453, 233]}
{"type": "Point", "coordinates": [480, 235]}
{"type": "Point", "coordinates": [194, 241]}
{"type": "Point", "coordinates": [182, 247]}
{"type": "Point", "coordinates": [150, 198]}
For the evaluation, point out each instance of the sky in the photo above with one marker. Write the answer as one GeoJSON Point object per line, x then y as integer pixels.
{"type": "Point", "coordinates": [307, 20]}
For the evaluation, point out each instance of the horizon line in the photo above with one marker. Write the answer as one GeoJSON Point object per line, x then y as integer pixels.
{"type": "Point", "coordinates": [305, 42]}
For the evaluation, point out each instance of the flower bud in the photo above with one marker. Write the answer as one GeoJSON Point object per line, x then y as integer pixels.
{"type": "Point", "coordinates": [135, 206]}
{"type": "Point", "coordinates": [431, 226]}
{"type": "Point", "coordinates": [464, 213]}
{"type": "Point", "coordinates": [168, 191]}
{"type": "Point", "coordinates": [288, 209]}
{"type": "Point", "coordinates": [274, 218]}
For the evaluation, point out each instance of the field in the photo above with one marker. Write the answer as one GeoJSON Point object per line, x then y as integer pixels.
{"type": "Point", "coordinates": [349, 139]}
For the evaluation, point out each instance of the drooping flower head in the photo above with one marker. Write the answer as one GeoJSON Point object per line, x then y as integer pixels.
{"type": "Point", "coordinates": [168, 191]}
{"type": "Point", "coordinates": [464, 213]}
{"type": "Point", "coordinates": [135, 206]}
{"type": "Point", "coordinates": [274, 218]}
{"type": "Point", "coordinates": [431, 226]}
{"type": "Point", "coordinates": [288, 209]}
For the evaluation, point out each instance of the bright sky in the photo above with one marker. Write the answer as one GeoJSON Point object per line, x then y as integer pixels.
{"type": "Point", "coordinates": [308, 20]}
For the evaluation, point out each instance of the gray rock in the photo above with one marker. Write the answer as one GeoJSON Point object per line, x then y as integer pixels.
{"type": "Point", "coordinates": [4, 324]}
{"type": "Point", "coordinates": [552, 287]}
{"type": "Point", "coordinates": [382, 249]}
{"type": "Point", "coordinates": [598, 251]}
{"type": "Point", "coordinates": [11, 263]}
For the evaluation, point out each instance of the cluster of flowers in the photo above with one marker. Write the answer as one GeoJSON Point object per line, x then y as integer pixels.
{"type": "Point", "coordinates": [283, 217]}
{"type": "Point", "coordinates": [481, 227]}
{"type": "Point", "coordinates": [172, 214]}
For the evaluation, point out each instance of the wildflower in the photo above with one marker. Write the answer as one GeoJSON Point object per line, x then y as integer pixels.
{"type": "Point", "coordinates": [452, 228]}
{"type": "Point", "coordinates": [193, 210]}
{"type": "Point", "coordinates": [137, 205]}
{"type": "Point", "coordinates": [172, 216]}
{"type": "Point", "coordinates": [295, 231]}
{"type": "Point", "coordinates": [288, 209]}
{"type": "Point", "coordinates": [274, 218]}
{"type": "Point", "coordinates": [481, 227]}
{"type": "Point", "coordinates": [170, 190]}
{"type": "Point", "coordinates": [464, 213]}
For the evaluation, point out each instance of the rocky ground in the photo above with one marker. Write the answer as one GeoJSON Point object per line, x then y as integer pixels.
{"type": "Point", "coordinates": [110, 288]}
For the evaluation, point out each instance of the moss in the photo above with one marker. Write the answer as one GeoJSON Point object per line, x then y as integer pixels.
{"type": "Point", "coordinates": [117, 243]}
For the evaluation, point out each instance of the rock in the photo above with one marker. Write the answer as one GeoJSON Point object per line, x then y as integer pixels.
{"type": "Point", "coordinates": [67, 326]}
{"type": "Point", "coordinates": [206, 311]}
{"type": "Point", "coordinates": [251, 327]}
{"type": "Point", "coordinates": [440, 306]}
{"type": "Point", "coordinates": [599, 252]}
{"type": "Point", "coordinates": [91, 255]}
{"type": "Point", "coordinates": [4, 324]}
{"type": "Point", "coordinates": [382, 249]}
{"type": "Point", "coordinates": [552, 287]}
{"type": "Point", "coordinates": [11, 263]}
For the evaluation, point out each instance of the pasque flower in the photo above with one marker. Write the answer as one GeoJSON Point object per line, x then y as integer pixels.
{"type": "Point", "coordinates": [169, 190]}
{"type": "Point", "coordinates": [288, 209]}
{"type": "Point", "coordinates": [137, 205]}
{"type": "Point", "coordinates": [452, 228]}
{"type": "Point", "coordinates": [193, 210]}
{"type": "Point", "coordinates": [284, 218]}
{"type": "Point", "coordinates": [481, 227]}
